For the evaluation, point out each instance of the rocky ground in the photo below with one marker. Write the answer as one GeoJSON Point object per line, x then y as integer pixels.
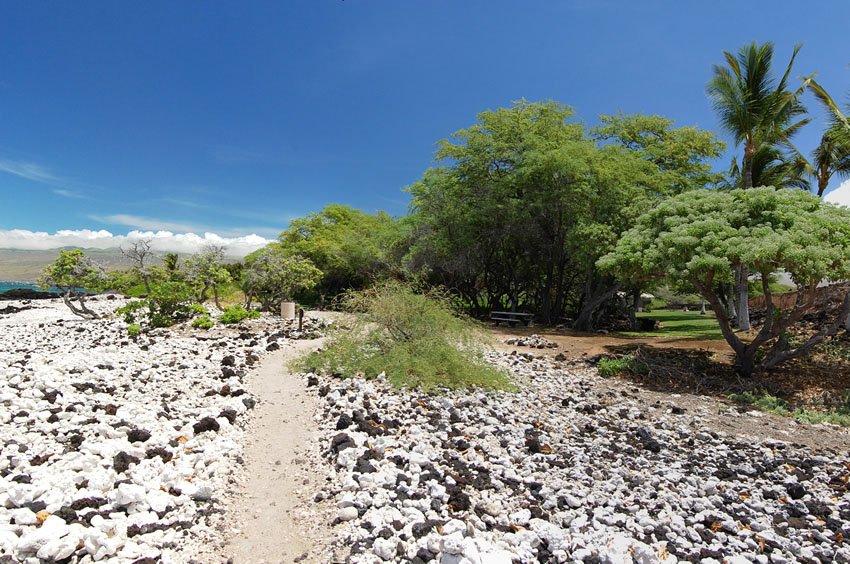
{"type": "Point", "coordinates": [123, 450]}
{"type": "Point", "coordinates": [571, 468]}
{"type": "Point", "coordinates": [118, 449]}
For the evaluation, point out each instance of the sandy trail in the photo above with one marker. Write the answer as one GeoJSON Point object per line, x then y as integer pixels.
{"type": "Point", "coordinates": [271, 516]}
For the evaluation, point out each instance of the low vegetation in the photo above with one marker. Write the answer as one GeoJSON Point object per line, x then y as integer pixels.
{"type": "Point", "coordinates": [417, 340]}
{"type": "Point", "coordinates": [763, 401]}
{"type": "Point", "coordinates": [610, 367]}
{"type": "Point", "coordinates": [680, 324]}
{"type": "Point", "coordinates": [237, 314]}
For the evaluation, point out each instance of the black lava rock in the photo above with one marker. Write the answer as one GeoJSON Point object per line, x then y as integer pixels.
{"type": "Point", "coordinates": [122, 461]}
{"type": "Point", "coordinates": [206, 424]}
{"type": "Point", "coordinates": [138, 435]}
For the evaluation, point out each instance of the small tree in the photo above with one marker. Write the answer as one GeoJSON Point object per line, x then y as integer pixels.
{"type": "Point", "coordinates": [74, 273]}
{"type": "Point", "coordinates": [272, 277]}
{"type": "Point", "coordinates": [171, 263]}
{"type": "Point", "coordinates": [703, 237]}
{"type": "Point", "coordinates": [140, 255]}
{"type": "Point", "coordinates": [206, 271]}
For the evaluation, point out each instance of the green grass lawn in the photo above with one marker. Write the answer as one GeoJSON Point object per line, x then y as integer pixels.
{"type": "Point", "coordinates": [685, 324]}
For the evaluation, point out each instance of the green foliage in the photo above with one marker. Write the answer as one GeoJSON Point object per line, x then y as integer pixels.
{"type": "Point", "coordinates": [73, 271]}
{"type": "Point", "coordinates": [131, 310]}
{"type": "Point", "coordinates": [418, 340]}
{"type": "Point", "coordinates": [168, 303]}
{"type": "Point", "coordinates": [680, 324]}
{"type": "Point", "coordinates": [236, 314]}
{"type": "Point", "coordinates": [198, 309]}
{"type": "Point", "coordinates": [526, 201]}
{"type": "Point", "coordinates": [763, 401]}
{"type": "Point", "coordinates": [134, 329]}
{"type": "Point", "coordinates": [610, 367]}
{"type": "Point", "coordinates": [203, 322]}
{"type": "Point", "coordinates": [682, 155]}
{"type": "Point", "coordinates": [701, 236]}
{"type": "Point", "coordinates": [351, 248]}
{"type": "Point", "coordinates": [206, 270]}
{"type": "Point", "coordinates": [274, 277]}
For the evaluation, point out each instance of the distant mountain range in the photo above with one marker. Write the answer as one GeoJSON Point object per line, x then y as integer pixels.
{"type": "Point", "coordinates": [17, 264]}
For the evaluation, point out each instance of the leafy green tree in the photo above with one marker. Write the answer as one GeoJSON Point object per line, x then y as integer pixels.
{"type": "Point", "coordinates": [274, 277]}
{"type": "Point", "coordinates": [757, 110]}
{"type": "Point", "coordinates": [703, 237]}
{"type": "Point", "coordinates": [524, 202]}
{"type": "Point", "coordinates": [832, 155]}
{"type": "Point", "coordinates": [206, 271]}
{"type": "Point", "coordinates": [75, 274]}
{"type": "Point", "coordinates": [171, 262]}
{"type": "Point", "coordinates": [350, 247]}
{"type": "Point", "coordinates": [682, 154]}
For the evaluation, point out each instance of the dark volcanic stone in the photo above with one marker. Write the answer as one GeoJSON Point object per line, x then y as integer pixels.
{"type": "Point", "coordinates": [796, 491]}
{"type": "Point", "coordinates": [343, 422]}
{"type": "Point", "coordinates": [122, 461]}
{"type": "Point", "coordinates": [341, 442]}
{"type": "Point", "coordinates": [249, 402]}
{"type": "Point", "coordinates": [228, 360]}
{"type": "Point", "coordinates": [164, 454]}
{"type": "Point", "coordinates": [229, 414]}
{"type": "Point", "coordinates": [87, 502]}
{"type": "Point", "coordinates": [138, 435]}
{"type": "Point", "coordinates": [206, 424]}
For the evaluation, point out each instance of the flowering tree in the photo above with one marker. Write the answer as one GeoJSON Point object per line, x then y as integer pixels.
{"type": "Point", "coordinates": [700, 238]}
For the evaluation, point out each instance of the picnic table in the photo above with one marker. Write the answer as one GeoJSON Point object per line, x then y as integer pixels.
{"type": "Point", "coordinates": [511, 317]}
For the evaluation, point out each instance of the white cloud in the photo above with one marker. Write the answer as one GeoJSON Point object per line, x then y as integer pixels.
{"type": "Point", "coordinates": [840, 195]}
{"type": "Point", "coordinates": [162, 240]}
{"type": "Point", "coordinates": [30, 171]}
{"type": "Point", "coordinates": [145, 223]}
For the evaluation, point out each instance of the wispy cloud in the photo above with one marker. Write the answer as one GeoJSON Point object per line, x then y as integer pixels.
{"type": "Point", "coordinates": [146, 223]}
{"type": "Point", "coordinates": [69, 194]}
{"type": "Point", "coordinates": [30, 171]}
{"type": "Point", "coordinates": [228, 154]}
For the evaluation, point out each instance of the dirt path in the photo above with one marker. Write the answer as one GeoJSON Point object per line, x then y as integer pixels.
{"type": "Point", "coordinates": [271, 517]}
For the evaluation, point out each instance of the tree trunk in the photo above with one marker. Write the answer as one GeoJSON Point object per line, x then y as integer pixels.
{"type": "Point", "coordinates": [633, 322]}
{"type": "Point", "coordinates": [742, 276]}
{"type": "Point", "coordinates": [215, 297]}
{"type": "Point", "coordinates": [147, 283]}
{"type": "Point", "coordinates": [584, 321]}
{"type": "Point", "coordinates": [701, 305]}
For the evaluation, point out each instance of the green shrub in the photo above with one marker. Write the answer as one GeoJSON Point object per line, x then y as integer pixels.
{"type": "Point", "coordinates": [168, 303]}
{"type": "Point", "coordinates": [203, 322]}
{"type": "Point", "coordinates": [198, 309]}
{"type": "Point", "coordinates": [764, 401]}
{"type": "Point", "coordinates": [237, 313]}
{"type": "Point", "coordinates": [609, 367]}
{"type": "Point", "coordinates": [417, 340]}
{"type": "Point", "coordinates": [131, 310]}
{"type": "Point", "coordinates": [134, 329]}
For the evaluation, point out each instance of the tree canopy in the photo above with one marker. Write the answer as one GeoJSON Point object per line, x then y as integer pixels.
{"type": "Point", "coordinates": [703, 236]}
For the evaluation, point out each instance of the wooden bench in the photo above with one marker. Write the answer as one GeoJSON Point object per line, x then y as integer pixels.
{"type": "Point", "coordinates": [511, 317]}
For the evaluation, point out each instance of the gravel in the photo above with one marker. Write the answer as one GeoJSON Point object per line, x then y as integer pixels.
{"type": "Point", "coordinates": [567, 469]}
{"type": "Point", "coordinates": [118, 449]}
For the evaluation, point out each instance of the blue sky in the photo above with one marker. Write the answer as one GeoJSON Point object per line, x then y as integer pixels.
{"type": "Point", "coordinates": [235, 117]}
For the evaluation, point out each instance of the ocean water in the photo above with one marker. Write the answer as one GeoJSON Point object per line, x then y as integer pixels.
{"type": "Point", "coordinates": [6, 285]}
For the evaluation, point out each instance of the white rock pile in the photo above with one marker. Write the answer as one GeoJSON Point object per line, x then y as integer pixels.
{"type": "Point", "coordinates": [568, 470]}
{"type": "Point", "coordinates": [532, 341]}
{"type": "Point", "coordinates": [117, 449]}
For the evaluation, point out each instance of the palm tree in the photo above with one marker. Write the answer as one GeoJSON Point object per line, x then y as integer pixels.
{"type": "Point", "coordinates": [758, 111]}
{"type": "Point", "coordinates": [832, 156]}
{"type": "Point", "coordinates": [772, 167]}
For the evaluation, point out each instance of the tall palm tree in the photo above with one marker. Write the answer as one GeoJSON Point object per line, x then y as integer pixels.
{"type": "Point", "coordinates": [758, 111]}
{"type": "Point", "coordinates": [772, 167]}
{"type": "Point", "coordinates": [832, 155]}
